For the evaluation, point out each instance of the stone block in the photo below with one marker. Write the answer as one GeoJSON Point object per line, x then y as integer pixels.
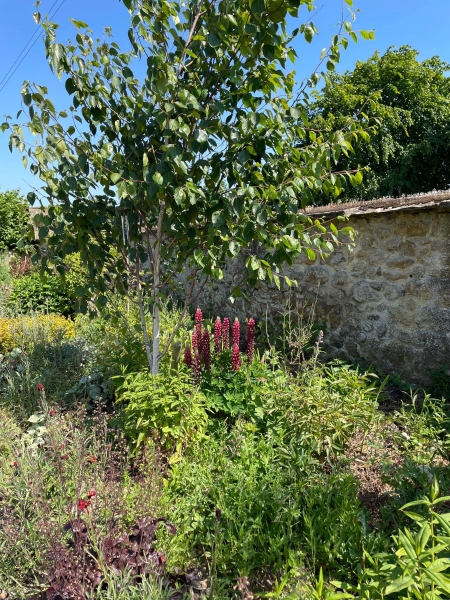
{"type": "Point", "coordinates": [340, 278]}
{"type": "Point", "coordinates": [392, 291]}
{"type": "Point", "coordinates": [412, 226]}
{"type": "Point", "coordinates": [363, 291]}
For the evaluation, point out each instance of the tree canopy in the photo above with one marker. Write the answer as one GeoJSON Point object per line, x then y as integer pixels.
{"type": "Point", "coordinates": [410, 152]}
{"type": "Point", "coordinates": [188, 164]}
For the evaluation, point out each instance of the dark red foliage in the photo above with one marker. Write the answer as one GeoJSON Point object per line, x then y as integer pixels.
{"type": "Point", "coordinates": [75, 574]}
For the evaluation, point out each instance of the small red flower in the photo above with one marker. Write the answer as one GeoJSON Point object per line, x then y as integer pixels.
{"type": "Point", "coordinates": [83, 504]}
{"type": "Point", "coordinates": [61, 445]}
{"type": "Point", "coordinates": [92, 494]}
{"type": "Point", "coordinates": [52, 412]}
{"type": "Point", "coordinates": [40, 387]}
{"type": "Point", "coordinates": [92, 459]}
{"type": "Point", "coordinates": [64, 457]}
{"type": "Point", "coordinates": [251, 339]}
{"type": "Point", "coordinates": [15, 464]}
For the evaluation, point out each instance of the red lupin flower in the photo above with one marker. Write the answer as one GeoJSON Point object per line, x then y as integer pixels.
{"type": "Point", "coordinates": [206, 350]}
{"type": "Point", "coordinates": [251, 339]}
{"type": "Point", "coordinates": [198, 316]}
{"type": "Point", "coordinates": [236, 333]}
{"type": "Point", "coordinates": [235, 358]}
{"type": "Point", "coordinates": [195, 340]}
{"type": "Point", "coordinates": [197, 365]}
{"type": "Point", "coordinates": [198, 328]}
{"type": "Point", "coordinates": [226, 334]}
{"type": "Point", "coordinates": [188, 357]}
{"type": "Point", "coordinates": [217, 336]}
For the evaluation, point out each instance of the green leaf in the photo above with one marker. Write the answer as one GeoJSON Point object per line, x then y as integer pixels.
{"type": "Point", "coordinates": [115, 177]}
{"type": "Point", "coordinates": [214, 40]}
{"type": "Point", "coordinates": [399, 584]}
{"type": "Point", "coordinates": [158, 178]}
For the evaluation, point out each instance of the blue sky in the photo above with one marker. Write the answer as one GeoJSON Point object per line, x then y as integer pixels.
{"type": "Point", "coordinates": [396, 22]}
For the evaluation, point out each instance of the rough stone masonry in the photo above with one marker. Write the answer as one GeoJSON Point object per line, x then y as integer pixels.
{"type": "Point", "coordinates": [387, 302]}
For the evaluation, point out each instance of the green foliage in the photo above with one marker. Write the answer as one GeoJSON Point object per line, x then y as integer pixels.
{"type": "Point", "coordinates": [420, 567]}
{"type": "Point", "coordinates": [14, 219]}
{"type": "Point", "coordinates": [440, 383]}
{"type": "Point", "coordinates": [164, 406]}
{"type": "Point", "coordinates": [32, 293]}
{"type": "Point", "coordinates": [92, 389]}
{"type": "Point", "coordinates": [191, 164]}
{"type": "Point", "coordinates": [410, 152]}
{"type": "Point", "coordinates": [246, 392]}
{"type": "Point", "coordinates": [5, 273]}
{"type": "Point", "coordinates": [325, 406]}
{"type": "Point", "coordinates": [277, 510]}
{"type": "Point", "coordinates": [428, 425]}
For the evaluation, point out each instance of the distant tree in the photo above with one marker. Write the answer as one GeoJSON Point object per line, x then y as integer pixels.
{"type": "Point", "coordinates": [410, 152]}
{"type": "Point", "coordinates": [14, 219]}
{"type": "Point", "coordinates": [188, 165]}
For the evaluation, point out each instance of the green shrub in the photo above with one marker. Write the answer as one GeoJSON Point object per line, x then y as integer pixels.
{"type": "Point", "coordinates": [324, 406]}
{"type": "Point", "coordinates": [257, 506]}
{"type": "Point", "coordinates": [164, 406]}
{"type": "Point", "coordinates": [32, 293]}
{"type": "Point", "coordinates": [247, 392]}
{"type": "Point", "coordinates": [14, 219]}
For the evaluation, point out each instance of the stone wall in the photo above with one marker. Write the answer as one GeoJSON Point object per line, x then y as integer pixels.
{"type": "Point", "coordinates": [387, 302]}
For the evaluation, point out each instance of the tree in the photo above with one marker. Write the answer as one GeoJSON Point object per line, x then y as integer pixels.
{"type": "Point", "coordinates": [14, 219]}
{"type": "Point", "coordinates": [189, 166]}
{"type": "Point", "coordinates": [411, 102]}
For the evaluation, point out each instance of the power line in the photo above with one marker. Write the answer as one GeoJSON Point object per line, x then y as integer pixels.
{"type": "Point", "coordinates": [28, 51]}
{"type": "Point", "coordinates": [25, 47]}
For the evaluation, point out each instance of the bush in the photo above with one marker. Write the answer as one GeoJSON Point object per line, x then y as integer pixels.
{"type": "Point", "coordinates": [27, 331]}
{"type": "Point", "coordinates": [254, 506]}
{"type": "Point", "coordinates": [324, 406]}
{"type": "Point", "coordinates": [164, 406]}
{"type": "Point", "coordinates": [14, 219]}
{"type": "Point", "coordinates": [31, 293]}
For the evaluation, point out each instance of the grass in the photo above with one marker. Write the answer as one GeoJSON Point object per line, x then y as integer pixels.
{"type": "Point", "coordinates": [271, 481]}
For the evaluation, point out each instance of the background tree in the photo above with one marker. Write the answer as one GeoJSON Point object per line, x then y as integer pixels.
{"type": "Point", "coordinates": [411, 101]}
{"type": "Point", "coordinates": [14, 219]}
{"type": "Point", "coordinates": [188, 166]}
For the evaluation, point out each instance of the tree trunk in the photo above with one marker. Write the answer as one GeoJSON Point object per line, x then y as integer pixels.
{"type": "Point", "coordinates": [156, 284]}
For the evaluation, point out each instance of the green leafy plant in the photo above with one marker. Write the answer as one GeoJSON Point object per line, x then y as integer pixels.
{"type": "Point", "coordinates": [165, 406]}
{"type": "Point", "coordinates": [420, 566]}
{"type": "Point", "coordinates": [14, 219]}
{"type": "Point", "coordinates": [278, 511]}
{"type": "Point", "coordinates": [325, 405]}
{"type": "Point", "coordinates": [32, 293]}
